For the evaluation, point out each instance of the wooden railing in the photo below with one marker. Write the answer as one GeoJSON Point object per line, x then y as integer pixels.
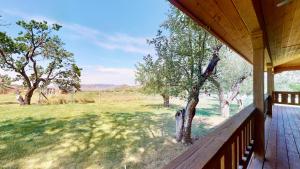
{"type": "Point", "coordinates": [283, 97]}
{"type": "Point", "coordinates": [229, 146]}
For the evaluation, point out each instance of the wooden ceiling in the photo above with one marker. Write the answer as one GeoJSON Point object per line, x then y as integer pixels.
{"type": "Point", "coordinates": [233, 21]}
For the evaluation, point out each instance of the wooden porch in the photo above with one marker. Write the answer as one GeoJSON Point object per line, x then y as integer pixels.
{"type": "Point", "coordinates": [232, 144]}
{"type": "Point", "coordinates": [265, 33]}
{"type": "Point", "coordinates": [282, 138]}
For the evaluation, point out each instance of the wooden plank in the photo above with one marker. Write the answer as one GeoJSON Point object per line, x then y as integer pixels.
{"type": "Point", "coordinates": [208, 15]}
{"type": "Point", "coordinates": [240, 147]}
{"type": "Point", "coordinates": [293, 155]}
{"type": "Point", "coordinates": [228, 157]}
{"type": "Point", "coordinates": [281, 156]}
{"type": "Point", "coordinates": [270, 161]}
{"type": "Point", "coordinates": [235, 154]}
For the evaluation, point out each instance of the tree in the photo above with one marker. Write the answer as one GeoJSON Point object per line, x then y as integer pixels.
{"type": "Point", "coordinates": [157, 75]}
{"type": "Point", "coordinates": [189, 50]}
{"type": "Point", "coordinates": [5, 82]}
{"type": "Point", "coordinates": [287, 81]}
{"type": "Point", "coordinates": [231, 73]}
{"type": "Point", "coordinates": [37, 56]}
{"type": "Point", "coordinates": [69, 80]}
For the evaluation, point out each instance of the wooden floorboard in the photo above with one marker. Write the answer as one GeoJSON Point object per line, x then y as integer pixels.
{"type": "Point", "coordinates": [271, 145]}
{"type": "Point", "coordinates": [283, 138]}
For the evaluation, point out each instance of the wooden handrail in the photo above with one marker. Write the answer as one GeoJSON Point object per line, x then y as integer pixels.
{"type": "Point", "coordinates": [230, 145]}
{"type": "Point", "coordinates": [285, 97]}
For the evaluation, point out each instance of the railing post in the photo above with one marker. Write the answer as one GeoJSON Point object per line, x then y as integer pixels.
{"type": "Point", "coordinates": [258, 94]}
{"type": "Point", "coordinates": [270, 86]}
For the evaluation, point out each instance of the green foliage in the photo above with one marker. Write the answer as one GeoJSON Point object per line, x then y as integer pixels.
{"type": "Point", "coordinates": [294, 87]}
{"type": "Point", "coordinates": [230, 70]}
{"type": "Point", "coordinates": [69, 80]}
{"type": "Point", "coordinates": [5, 81]}
{"type": "Point", "coordinates": [38, 56]}
{"type": "Point", "coordinates": [287, 81]}
{"type": "Point", "coordinates": [182, 50]}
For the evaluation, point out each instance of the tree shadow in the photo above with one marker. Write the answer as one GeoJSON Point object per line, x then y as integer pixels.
{"type": "Point", "coordinates": [159, 106]}
{"type": "Point", "coordinates": [108, 139]}
{"type": "Point", "coordinates": [213, 110]}
{"type": "Point", "coordinates": [6, 103]}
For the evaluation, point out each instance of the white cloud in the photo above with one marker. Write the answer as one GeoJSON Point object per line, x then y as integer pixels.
{"type": "Point", "coordinates": [107, 75]}
{"type": "Point", "coordinates": [116, 41]}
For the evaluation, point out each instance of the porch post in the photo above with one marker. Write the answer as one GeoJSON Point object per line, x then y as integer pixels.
{"type": "Point", "coordinates": [258, 94]}
{"type": "Point", "coordinates": [270, 86]}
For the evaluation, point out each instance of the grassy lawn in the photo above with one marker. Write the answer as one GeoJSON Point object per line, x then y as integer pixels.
{"type": "Point", "coordinates": [121, 128]}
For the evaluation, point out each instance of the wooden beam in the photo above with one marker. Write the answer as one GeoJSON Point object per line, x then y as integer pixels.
{"type": "Point", "coordinates": [279, 69]}
{"type": "Point", "coordinates": [258, 93]}
{"type": "Point", "coordinates": [248, 14]}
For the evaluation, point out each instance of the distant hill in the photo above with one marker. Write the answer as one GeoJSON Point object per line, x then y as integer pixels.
{"type": "Point", "coordinates": [97, 87]}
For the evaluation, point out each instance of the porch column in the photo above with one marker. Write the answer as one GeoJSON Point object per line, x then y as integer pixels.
{"type": "Point", "coordinates": [258, 94]}
{"type": "Point", "coordinates": [270, 80]}
{"type": "Point", "coordinates": [270, 86]}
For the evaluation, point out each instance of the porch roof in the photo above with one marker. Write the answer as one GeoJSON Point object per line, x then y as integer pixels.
{"type": "Point", "coordinates": [234, 21]}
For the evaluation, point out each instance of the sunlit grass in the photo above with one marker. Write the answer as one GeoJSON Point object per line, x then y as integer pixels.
{"type": "Point", "coordinates": [121, 128]}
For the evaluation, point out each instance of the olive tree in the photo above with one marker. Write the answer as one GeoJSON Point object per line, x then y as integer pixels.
{"type": "Point", "coordinates": [38, 57]}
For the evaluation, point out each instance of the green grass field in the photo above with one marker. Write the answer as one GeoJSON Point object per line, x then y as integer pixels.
{"type": "Point", "coordinates": [121, 128]}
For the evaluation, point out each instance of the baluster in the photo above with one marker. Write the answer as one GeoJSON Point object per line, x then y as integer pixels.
{"type": "Point", "coordinates": [234, 154]}
{"type": "Point", "coordinates": [293, 98]}
{"type": "Point", "coordinates": [228, 157]}
{"type": "Point", "coordinates": [284, 97]}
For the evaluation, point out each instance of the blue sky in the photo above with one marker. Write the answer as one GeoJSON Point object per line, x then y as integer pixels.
{"type": "Point", "coordinates": [107, 37]}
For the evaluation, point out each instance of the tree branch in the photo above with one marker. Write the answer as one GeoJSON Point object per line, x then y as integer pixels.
{"type": "Point", "coordinates": [211, 66]}
{"type": "Point", "coordinates": [11, 65]}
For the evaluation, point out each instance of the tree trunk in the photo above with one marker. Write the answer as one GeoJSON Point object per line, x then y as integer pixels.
{"type": "Point", "coordinates": [19, 98]}
{"type": "Point", "coordinates": [193, 99]}
{"type": "Point", "coordinates": [225, 108]}
{"type": "Point", "coordinates": [224, 104]}
{"type": "Point", "coordinates": [166, 100]}
{"type": "Point", "coordinates": [189, 115]}
{"type": "Point", "coordinates": [240, 103]}
{"type": "Point", "coordinates": [28, 96]}
{"type": "Point", "coordinates": [179, 117]}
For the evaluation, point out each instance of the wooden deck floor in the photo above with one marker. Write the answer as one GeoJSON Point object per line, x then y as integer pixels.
{"type": "Point", "coordinates": [283, 138]}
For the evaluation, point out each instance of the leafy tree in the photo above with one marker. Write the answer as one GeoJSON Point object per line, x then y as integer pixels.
{"type": "Point", "coordinates": [232, 72]}
{"type": "Point", "coordinates": [37, 56]}
{"type": "Point", "coordinates": [198, 54]}
{"type": "Point", "coordinates": [287, 81]}
{"type": "Point", "coordinates": [157, 76]}
{"type": "Point", "coordinates": [5, 82]}
{"type": "Point", "coordinates": [184, 50]}
{"type": "Point", "coordinates": [69, 80]}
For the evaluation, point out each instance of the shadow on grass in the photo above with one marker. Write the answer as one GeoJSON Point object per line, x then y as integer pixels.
{"type": "Point", "coordinates": [6, 103]}
{"type": "Point", "coordinates": [159, 106]}
{"type": "Point", "coordinates": [214, 110]}
{"type": "Point", "coordinates": [107, 139]}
